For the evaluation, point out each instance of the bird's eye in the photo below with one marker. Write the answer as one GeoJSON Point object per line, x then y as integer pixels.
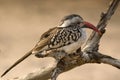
{"type": "Point", "coordinates": [78, 22]}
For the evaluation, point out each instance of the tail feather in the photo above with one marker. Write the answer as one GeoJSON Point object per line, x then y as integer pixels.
{"type": "Point", "coordinates": [17, 62]}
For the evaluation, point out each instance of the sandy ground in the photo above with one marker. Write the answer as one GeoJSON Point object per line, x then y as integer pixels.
{"type": "Point", "coordinates": [22, 22]}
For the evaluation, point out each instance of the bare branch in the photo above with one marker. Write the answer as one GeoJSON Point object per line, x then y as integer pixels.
{"type": "Point", "coordinates": [68, 63]}
{"type": "Point", "coordinates": [94, 38]}
{"type": "Point", "coordinates": [39, 74]}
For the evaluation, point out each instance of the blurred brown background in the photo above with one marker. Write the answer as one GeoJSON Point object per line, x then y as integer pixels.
{"type": "Point", "coordinates": [23, 21]}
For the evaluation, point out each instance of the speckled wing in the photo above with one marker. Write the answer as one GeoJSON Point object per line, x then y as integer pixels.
{"type": "Point", "coordinates": [45, 40]}
{"type": "Point", "coordinates": [57, 37]}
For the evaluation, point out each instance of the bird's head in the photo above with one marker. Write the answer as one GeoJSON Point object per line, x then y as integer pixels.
{"type": "Point", "coordinates": [77, 19]}
{"type": "Point", "coordinates": [71, 19]}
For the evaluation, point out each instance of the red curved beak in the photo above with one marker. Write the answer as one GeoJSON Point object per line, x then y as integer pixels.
{"type": "Point", "coordinates": [91, 26]}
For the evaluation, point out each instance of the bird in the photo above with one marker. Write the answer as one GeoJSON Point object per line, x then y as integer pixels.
{"type": "Point", "coordinates": [67, 36]}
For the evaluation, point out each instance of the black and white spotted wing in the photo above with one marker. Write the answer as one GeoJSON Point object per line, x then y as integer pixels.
{"type": "Point", "coordinates": [65, 37]}
{"type": "Point", "coordinates": [58, 37]}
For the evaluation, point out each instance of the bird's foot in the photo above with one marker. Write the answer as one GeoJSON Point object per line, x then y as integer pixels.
{"type": "Point", "coordinates": [57, 54]}
{"type": "Point", "coordinates": [41, 54]}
